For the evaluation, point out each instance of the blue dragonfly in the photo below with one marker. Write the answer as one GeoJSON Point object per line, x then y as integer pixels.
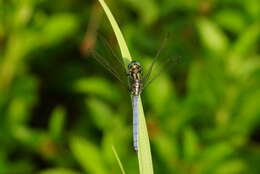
{"type": "Point", "coordinates": [132, 76]}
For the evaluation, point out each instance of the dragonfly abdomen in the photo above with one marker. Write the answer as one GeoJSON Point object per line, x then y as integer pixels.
{"type": "Point", "coordinates": [136, 87]}
{"type": "Point", "coordinates": [135, 79]}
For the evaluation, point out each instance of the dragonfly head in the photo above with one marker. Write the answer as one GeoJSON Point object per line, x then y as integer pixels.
{"type": "Point", "coordinates": [134, 65]}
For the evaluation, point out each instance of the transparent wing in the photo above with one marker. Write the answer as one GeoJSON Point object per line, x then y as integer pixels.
{"type": "Point", "coordinates": [160, 64]}
{"type": "Point", "coordinates": [102, 60]}
{"type": "Point", "coordinates": [109, 60]}
{"type": "Point", "coordinates": [147, 75]}
{"type": "Point", "coordinates": [115, 58]}
{"type": "Point", "coordinates": [159, 69]}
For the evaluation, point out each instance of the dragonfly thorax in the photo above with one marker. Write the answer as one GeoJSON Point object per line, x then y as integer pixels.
{"type": "Point", "coordinates": [135, 77]}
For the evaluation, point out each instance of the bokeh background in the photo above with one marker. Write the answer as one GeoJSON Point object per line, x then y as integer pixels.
{"type": "Point", "coordinates": [60, 111]}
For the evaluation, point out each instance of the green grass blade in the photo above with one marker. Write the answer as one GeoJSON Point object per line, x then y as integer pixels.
{"type": "Point", "coordinates": [118, 160]}
{"type": "Point", "coordinates": [119, 36]}
{"type": "Point", "coordinates": [144, 153]}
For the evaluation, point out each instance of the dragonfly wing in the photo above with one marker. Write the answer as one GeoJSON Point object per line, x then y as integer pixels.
{"type": "Point", "coordinates": [165, 66]}
{"type": "Point", "coordinates": [159, 64]}
{"type": "Point", "coordinates": [108, 59]}
{"type": "Point", "coordinates": [147, 75]}
{"type": "Point", "coordinates": [102, 60]}
{"type": "Point", "coordinates": [110, 51]}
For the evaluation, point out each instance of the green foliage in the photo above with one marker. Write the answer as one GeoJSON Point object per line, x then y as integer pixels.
{"type": "Point", "coordinates": [88, 156]}
{"type": "Point", "coordinates": [61, 112]}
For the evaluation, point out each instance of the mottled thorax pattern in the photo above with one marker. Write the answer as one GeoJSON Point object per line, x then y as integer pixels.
{"type": "Point", "coordinates": [135, 73]}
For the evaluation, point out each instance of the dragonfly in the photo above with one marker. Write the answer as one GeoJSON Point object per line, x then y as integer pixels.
{"type": "Point", "coordinates": [132, 75]}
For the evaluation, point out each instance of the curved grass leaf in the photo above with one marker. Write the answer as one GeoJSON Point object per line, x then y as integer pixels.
{"type": "Point", "coordinates": [118, 160]}
{"type": "Point", "coordinates": [144, 153]}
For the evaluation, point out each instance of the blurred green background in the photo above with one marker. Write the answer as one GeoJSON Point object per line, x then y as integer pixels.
{"type": "Point", "coordinates": [61, 111]}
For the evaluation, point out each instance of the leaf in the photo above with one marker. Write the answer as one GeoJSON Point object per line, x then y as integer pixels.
{"type": "Point", "coordinates": [101, 113]}
{"type": "Point", "coordinates": [87, 155]}
{"type": "Point", "coordinates": [212, 37]}
{"type": "Point", "coordinates": [18, 112]}
{"type": "Point", "coordinates": [247, 41]}
{"type": "Point", "coordinates": [97, 86]}
{"type": "Point", "coordinates": [118, 160]}
{"type": "Point", "coordinates": [190, 144]}
{"type": "Point", "coordinates": [119, 36]}
{"type": "Point", "coordinates": [57, 121]}
{"type": "Point", "coordinates": [247, 118]}
{"type": "Point", "coordinates": [167, 147]}
{"type": "Point", "coordinates": [213, 156]}
{"type": "Point", "coordinates": [232, 20]}
{"type": "Point", "coordinates": [232, 167]}
{"type": "Point", "coordinates": [59, 27]}
{"type": "Point", "coordinates": [253, 8]}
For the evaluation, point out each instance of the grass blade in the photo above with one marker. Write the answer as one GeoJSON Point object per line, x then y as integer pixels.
{"type": "Point", "coordinates": [119, 36]}
{"type": "Point", "coordinates": [118, 160]}
{"type": "Point", "coordinates": [144, 153]}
